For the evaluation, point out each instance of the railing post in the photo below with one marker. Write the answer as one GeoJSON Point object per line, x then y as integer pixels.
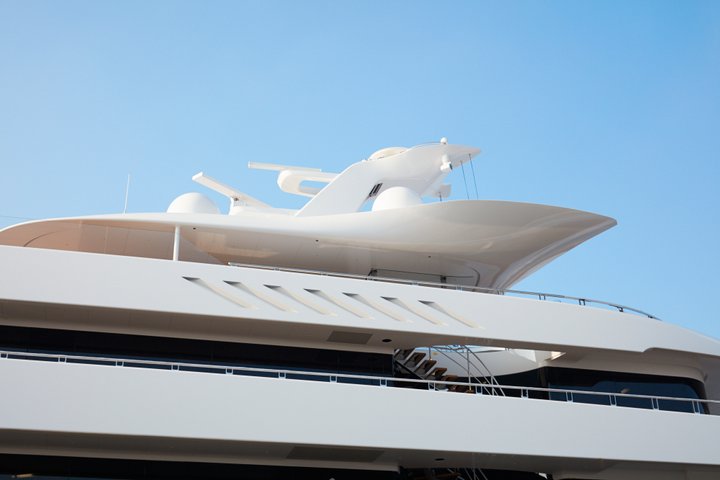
{"type": "Point", "coordinates": [698, 406]}
{"type": "Point", "coordinates": [176, 244]}
{"type": "Point", "coordinates": [459, 287]}
{"type": "Point", "coordinates": [467, 357]}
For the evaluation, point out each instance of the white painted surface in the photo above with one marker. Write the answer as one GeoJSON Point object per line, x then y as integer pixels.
{"type": "Point", "coordinates": [396, 197]}
{"type": "Point", "coordinates": [411, 427]}
{"type": "Point", "coordinates": [492, 244]}
{"type": "Point", "coordinates": [418, 168]}
{"type": "Point", "coordinates": [193, 202]}
{"type": "Point", "coordinates": [148, 285]}
{"type": "Point", "coordinates": [486, 243]}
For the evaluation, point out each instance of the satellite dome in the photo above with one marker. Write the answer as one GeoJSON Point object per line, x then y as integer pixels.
{"type": "Point", "coordinates": [396, 197]}
{"type": "Point", "coordinates": [192, 203]}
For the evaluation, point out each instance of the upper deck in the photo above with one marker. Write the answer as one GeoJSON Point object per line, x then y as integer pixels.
{"type": "Point", "coordinates": [488, 244]}
{"type": "Point", "coordinates": [384, 216]}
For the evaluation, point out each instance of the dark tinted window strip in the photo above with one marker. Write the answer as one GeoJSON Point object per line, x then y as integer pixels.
{"type": "Point", "coordinates": [72, 467]}
{"type": "Point", "coordinates": [197, 351]}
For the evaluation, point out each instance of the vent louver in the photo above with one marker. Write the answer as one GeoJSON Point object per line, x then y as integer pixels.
{"type": "Point", "coordinates": [337, 454]}
{"type": "Point", "coordinates": [338, 336]}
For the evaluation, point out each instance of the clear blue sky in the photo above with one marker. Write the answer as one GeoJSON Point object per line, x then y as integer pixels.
{"type": "Point", "coordinates": [611, 107]}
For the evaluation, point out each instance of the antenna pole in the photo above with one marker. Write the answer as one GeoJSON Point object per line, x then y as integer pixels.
{"type": "Point", "coordinates": [477, 195]}
{"type": "Point", "coordinates": [127, 193]}
{"type": "Point", "coordinates": [467, 192]}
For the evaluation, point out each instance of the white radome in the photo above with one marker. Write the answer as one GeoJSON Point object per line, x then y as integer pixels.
{"type": "Point", "coordinates": [396, 197]}
{"type": "Point", "coordinates": [193, 202]}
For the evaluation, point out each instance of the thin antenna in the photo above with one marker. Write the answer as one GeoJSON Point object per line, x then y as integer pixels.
{"type": "Point", "coordinates": [477, 195]}
{"type": "Point", "coordinates": [127, 193]}
{"type": "Point", "coordinates": [467, 192]}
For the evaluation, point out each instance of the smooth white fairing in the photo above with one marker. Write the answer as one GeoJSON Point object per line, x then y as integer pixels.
{"type": "Point", "coordinates": [193, 203]}
{"type": "Point", "coordinates": [421, 168]}
{"type": "Point", "coordinates": [396, 197]}
{"type": "Point", "coordinates": [237, 198]}
{"type": "Point", "coordinates": [386, 152]}
{"type": "Point", "coordinates": [291, 181]}
{"type": "Point", "coordinates": [482, 243]}
{"type": "Point", "coordinates": [291, 178]}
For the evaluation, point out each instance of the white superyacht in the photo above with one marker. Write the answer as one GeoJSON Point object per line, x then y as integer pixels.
{"type": "Point", "coordinates": [373, 333]}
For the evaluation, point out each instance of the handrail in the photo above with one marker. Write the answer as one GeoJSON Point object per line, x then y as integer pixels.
{"type": "Point", "coordinates": [475, 355]}
{"type": "Point", "coordinates": [495, 291]}
{"type": "Point", "coordinates": [382, 381]}
{"type": "Point", "coordinates": [493, 380]}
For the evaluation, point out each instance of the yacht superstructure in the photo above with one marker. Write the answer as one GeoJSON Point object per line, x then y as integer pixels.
{"type": "Point", "coordinates": [368, 334]}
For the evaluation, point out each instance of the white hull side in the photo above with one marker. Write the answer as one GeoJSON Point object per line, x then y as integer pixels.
{"type": "Point", "coordinates": [60, 289]}
{"type": "Point", "coordinates": [90, 410]}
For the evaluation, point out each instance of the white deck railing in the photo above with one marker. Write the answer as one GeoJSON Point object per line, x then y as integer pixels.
{"type": "Point", "coordinates": [697, 406]}
{"type": "Point", "coordinates": [468, 288]}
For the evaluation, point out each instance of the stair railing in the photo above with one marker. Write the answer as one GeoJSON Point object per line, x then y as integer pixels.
{"type": "Point", "coordinates": [472, 379]}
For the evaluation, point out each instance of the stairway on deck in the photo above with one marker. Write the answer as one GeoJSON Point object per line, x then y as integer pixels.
{"type": "Point", "coordinates": [421, 364]}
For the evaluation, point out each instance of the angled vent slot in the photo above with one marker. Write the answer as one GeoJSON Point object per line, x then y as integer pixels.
{"type": "Point", "coordinates": [376, 306]}
{"type": "Point", "coordinates": [450, 314]}
{"type": "Point", "coordinates": [302, 301]}
{"type": "Point", "coordinates": [268, 299]}
{"type": "Point", "coordinates": [425, 315]}
{"type": "Point", "coordinates": [339, 303]}
{"type": "Point", "coordinates": [374, 191]}
{"type": "Point", "coordinates": [219, 291]}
